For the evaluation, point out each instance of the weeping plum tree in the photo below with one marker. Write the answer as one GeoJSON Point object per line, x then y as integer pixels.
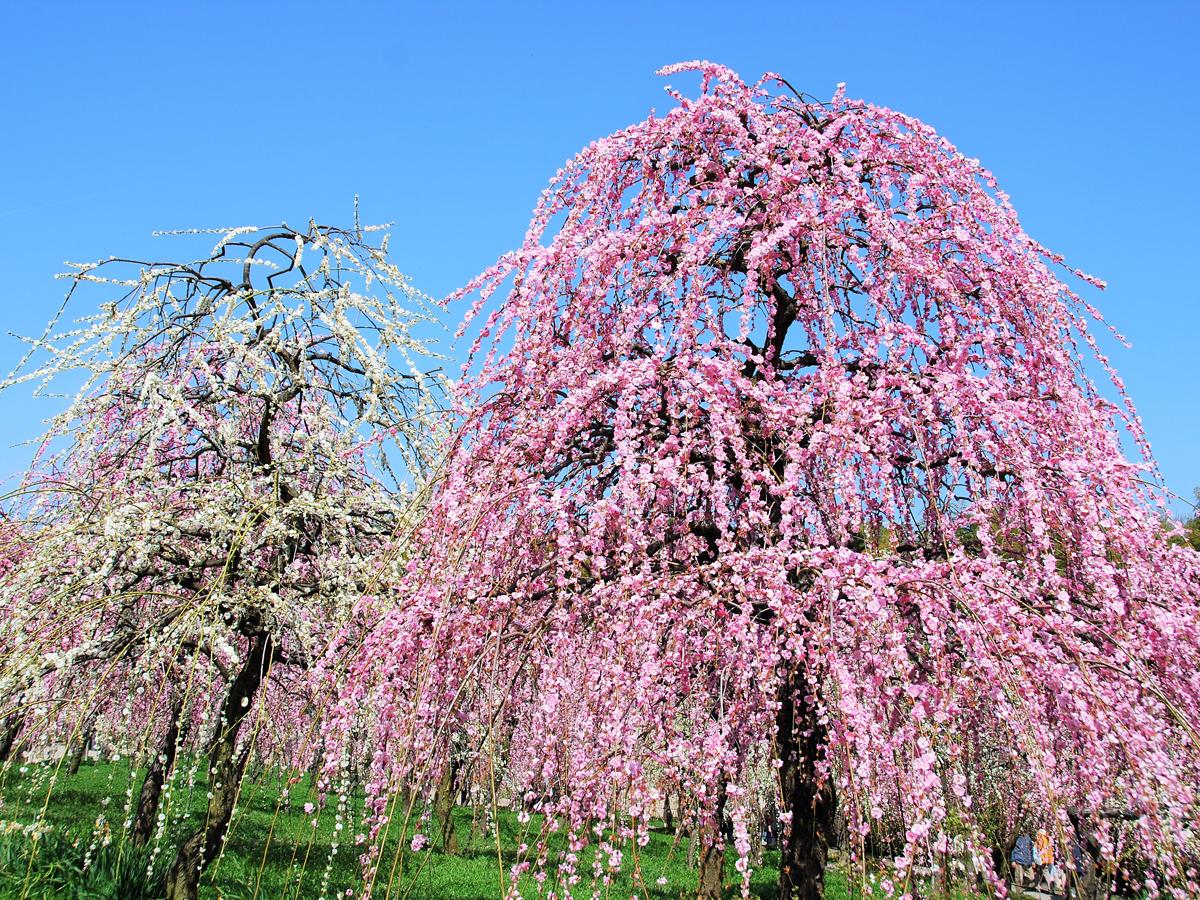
{"type": "Point", "coordinates": [226, 486]}
{"type": "Point", "coordinates": [780, 453]}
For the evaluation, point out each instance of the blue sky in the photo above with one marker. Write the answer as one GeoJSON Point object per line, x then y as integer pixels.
{"type": "Point", "coordinates": [117, 119]}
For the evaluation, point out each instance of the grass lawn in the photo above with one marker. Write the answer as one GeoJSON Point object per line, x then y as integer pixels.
{"type": "Point", "coordinates": [276, 851]}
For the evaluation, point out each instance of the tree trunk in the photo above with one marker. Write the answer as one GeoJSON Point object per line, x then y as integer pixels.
{"type": "Point", "coordinates": [81, 748]}
{"type": "Point", "coordinates": [712, 852]}
{"type": "Point", "coordinates": [443, 808]}
{"type": "Point", "coordinates": [78, 752]}
{"type": "Point", "coordinates": [10, 728]}
{"type": "Point", "coordinates": [1088, 884]}
{"type": "Point", "coordinates": [668, 814]}
{"type": "Point", "coordinates": [1002, 856]}
{"type": "Point", "coordinates": [805, 847]}
{"type": "Point", "coordinates": [226, 768]}
{"type": "Point", "coordinates": [942, 878]}
{"type": "Point", "coordinates": [8, 737]}
{"type": "Point", "coordinates": [157, 774]}
{"type": "Point", "coordinates": [314, 769]}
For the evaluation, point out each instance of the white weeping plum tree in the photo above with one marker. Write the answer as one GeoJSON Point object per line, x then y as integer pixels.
{"type": "Point", "coordinates": [240, 466]}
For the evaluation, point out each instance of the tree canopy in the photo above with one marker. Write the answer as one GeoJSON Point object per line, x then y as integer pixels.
{"type": "Point", "coordinates": [782, 471]}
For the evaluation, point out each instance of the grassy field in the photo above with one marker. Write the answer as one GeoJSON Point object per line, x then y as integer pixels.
{"type": "Point", "coordinates": [276, 851]}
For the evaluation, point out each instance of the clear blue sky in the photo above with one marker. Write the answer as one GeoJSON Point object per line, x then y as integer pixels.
{"type": "Point", "coordinates": [120, 118]}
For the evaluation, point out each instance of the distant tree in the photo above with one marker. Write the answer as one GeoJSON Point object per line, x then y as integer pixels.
{"type": "Point", "coordinates": [221, 493]}
{"type": "Point", "coordinates": [779, 452]}
{"type": "Point", "coordinates": [1191, 528]}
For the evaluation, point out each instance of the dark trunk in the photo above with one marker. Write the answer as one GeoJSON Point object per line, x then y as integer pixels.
{"type": "Point", "coordinates": [1088, 885]}
{"type": "Point", "coordinates": [81, 747]}
{"type": "Point", "coordinates": [443, 808]}
{"type": "Point", "coordinates": [8, 737]}
{"type": "Point", "coordinates": [226, 768]}
{"type": "Point", "coordinates": [318, 763]}
{"type": "Point", "coordinates": [668, 814]}
{"type": "Point", "coordinates": [157, 774]}
{"type": "Point", "coordinates": [78, 753]}
{"type": "Point", "coordinates": [10, 728]}
{"type": "Point", "coordinates": [1085, 861]}
{"type": "Point", "coordinates": [711, 843]}
{"type": "Point", "coordinates": [841, 828]}
{"type": "Point", "coordinates": [1002, 857]}
{"type": "Point", "coordinates": [805, 847]}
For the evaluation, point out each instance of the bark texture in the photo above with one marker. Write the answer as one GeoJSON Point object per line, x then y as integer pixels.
{"type": "Point", "coordinates": [712, 853]}
{"type": "Point", "coordinates": [226, 768]}
{"type": "Point", "coordinates": [157, 773]}
{"type": "Point", "coordinates": [443, 807]}
{"type": "Point", "coordinates": [809, 799]}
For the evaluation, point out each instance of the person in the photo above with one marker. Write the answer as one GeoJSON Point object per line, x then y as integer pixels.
{"type": "Point", "coordinates": [1056, 879]}
{"type": "Point", "coordinates": [1043, 855]}
{"type": "Point", "coordinates": [1022, 860]}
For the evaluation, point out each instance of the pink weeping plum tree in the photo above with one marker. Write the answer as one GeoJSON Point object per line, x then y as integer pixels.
{"type": "Point", "coordinates": [784, 479]}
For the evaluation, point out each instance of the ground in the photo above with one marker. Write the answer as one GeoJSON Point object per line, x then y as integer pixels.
{"type": "Point", "coordinates": [275, 851]}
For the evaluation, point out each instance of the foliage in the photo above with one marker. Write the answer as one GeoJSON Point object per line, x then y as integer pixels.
{"type": "Point", "coordinates": [62, 865]}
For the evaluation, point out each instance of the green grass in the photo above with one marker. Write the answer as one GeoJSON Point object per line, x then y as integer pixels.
{"type": "Point", "coordinates": [58, 865]}
{"type": "Point", "coordinates": [275, 851]}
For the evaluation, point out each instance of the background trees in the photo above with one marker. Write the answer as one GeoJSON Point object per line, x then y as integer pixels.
{"type": "Point", "coordinates": [1191, 529]}
{"type": "Point", "coordinates": [227, 485]}
{"type": "Point", "coordinates": [780, 451]}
